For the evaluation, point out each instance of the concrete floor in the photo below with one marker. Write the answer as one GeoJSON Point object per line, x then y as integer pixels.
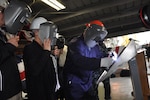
{"type": "Point", "coordinates": [121, 88]}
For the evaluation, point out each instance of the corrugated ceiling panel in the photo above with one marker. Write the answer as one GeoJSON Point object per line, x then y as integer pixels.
{"type": "Point", "coordinates": [93, 14]}
{"type": "Point", "coordinates": [86, 2]}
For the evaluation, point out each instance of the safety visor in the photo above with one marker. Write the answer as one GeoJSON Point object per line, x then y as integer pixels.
{"type": "Point", "coordinates": [97, 32]}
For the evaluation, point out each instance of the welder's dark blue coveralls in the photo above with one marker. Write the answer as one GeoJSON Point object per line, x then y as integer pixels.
{"type": "Point", "coordinates": [80, 63]}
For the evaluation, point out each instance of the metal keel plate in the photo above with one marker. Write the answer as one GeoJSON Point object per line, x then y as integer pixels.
{"type": "Point", "coordinates": [126, 54]}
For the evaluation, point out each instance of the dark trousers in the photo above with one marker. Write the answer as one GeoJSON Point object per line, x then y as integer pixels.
{"type": "Point", "coordinates": [106, 82]}
{"type": "Point", "coordinates": [107, 88]}
{"type": "Point", "coordinates": [75, 92]}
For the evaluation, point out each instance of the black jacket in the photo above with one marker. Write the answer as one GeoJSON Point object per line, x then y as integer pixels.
{"type": "Point", "coordinates": [40, 72]}
{"type": "Point", "coordinates": [11, 83]}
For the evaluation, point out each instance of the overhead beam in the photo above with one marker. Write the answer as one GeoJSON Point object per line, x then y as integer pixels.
{"type": "Point", "coordinates": [117, 30]}
{"type": "Point", "coordinates": [127, 31]}
{"type": "Point", "coordinates": [123, 22]}
{"type": "Point", "coordinates": [99, 6]}
{"type": "Point", "coordinates": [107, 17]}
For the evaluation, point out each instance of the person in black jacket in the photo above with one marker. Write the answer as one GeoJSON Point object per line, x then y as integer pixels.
{"type": "Point", "coordinates": [10, 78]}
{"type": "Point", "coordinates": [39, 66]}
{"type": "Point", "coordinates": [10, 83]}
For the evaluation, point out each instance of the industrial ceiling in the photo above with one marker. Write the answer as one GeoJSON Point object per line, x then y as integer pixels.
{"type": "Point", "coordinates": [120, 17]}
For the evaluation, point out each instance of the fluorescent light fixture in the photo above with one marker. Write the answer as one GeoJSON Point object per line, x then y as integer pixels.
{"type": "Point", "coordinates": [55, 4]}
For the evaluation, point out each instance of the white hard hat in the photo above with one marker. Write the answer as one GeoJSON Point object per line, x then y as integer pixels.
{"type": "Point", "coordinates": [4, 3]}
{"type": "Point", "coordinates": [36, 23]}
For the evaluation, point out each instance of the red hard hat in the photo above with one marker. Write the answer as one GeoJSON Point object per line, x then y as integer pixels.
{"type": "Point", "coordinates": [97, 22]}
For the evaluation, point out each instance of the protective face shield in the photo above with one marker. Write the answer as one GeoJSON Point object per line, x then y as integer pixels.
{"type": "Point", "coordinates": [16, 15]}
{"type": "Point", "coordinates": [4, 3]}
{"type": "Point", "coordinates": [48, 30]}
{"type": "Point", "coordinates": [94, 33]}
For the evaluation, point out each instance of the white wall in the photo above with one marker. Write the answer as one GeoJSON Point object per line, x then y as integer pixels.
{"type": "Point", "coordinates": [142, 38]}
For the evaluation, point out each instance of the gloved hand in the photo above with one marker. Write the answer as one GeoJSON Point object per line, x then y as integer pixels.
{"type": "Point", "coordinates": [113, 55]}
{"type": "Point", "coordinates": [107, 61]}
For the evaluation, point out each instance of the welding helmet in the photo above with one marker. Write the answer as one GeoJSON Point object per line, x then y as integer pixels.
{"type": "Point", "coordinates": [36, 23]}
{"type": "Point", "coordinates": [16, 16]}
{"type": "Point", "coordinates": [48, 30]}
{"type": "Point", "coordinates": [4, 3]}
{"type": "Point", "coordinates": [95, 32]}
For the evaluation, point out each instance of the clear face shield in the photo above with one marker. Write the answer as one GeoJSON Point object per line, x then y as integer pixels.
{"type": "Point", "coordinates": [48, 30]}
{"type": "Point", "coordinates": [16, 15]}
{"type": "Point", "coordinates": [94, 34]}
